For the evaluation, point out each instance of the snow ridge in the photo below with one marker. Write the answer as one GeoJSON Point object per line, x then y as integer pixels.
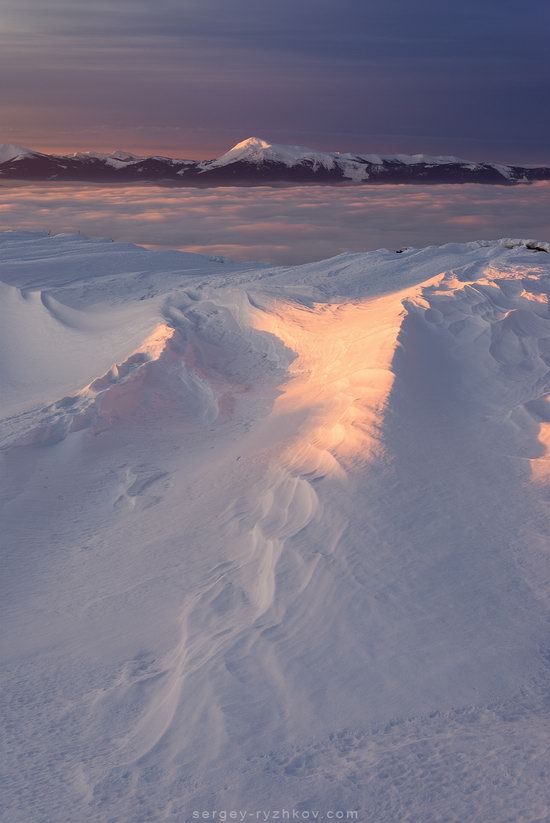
{"type": "Point", "coordinates": [275, 537]}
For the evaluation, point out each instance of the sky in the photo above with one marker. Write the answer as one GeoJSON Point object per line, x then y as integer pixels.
{"type": "Point", "coordinates": [190, 78]}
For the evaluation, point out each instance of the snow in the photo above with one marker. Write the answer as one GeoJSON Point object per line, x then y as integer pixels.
{"type": "Point", "coordinates": [428, 159]}
{"type": "Point", "coordinates": [10, 152]}
{"type": "Point", "coordinates": [122, 159]}
{"type": "Point", "coordinates": [257, 150]}
{"type": "Point", "coordinates": [274, 538]}
{"type": "Point", "coordinates": [117, 160]}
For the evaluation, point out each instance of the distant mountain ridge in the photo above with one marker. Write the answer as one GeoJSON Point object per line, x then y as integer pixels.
{"type": "Point", "coordinates": [258, 162]}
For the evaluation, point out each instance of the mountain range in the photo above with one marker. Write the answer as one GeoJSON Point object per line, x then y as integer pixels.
{"type": "Point", "coordinates": [258, 162]}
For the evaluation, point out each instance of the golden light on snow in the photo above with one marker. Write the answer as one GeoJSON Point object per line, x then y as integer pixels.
{"type": "Point", "coordinates": [155, 343]}
{"type": "Point", "coordinates": [341, 376]}
{"type": "Point", "coordinates": [540, 468]}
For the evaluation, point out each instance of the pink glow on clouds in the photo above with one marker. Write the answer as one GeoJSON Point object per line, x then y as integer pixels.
{"type": "Point", "coordinates": [281, 225]}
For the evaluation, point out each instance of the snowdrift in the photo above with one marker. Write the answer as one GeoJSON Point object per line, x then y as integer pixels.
{"type": "Point", "coordinates": [275, 538]}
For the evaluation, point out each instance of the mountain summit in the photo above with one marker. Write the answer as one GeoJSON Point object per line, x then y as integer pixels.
{"type": "Point", "coordinates": [8, 152]}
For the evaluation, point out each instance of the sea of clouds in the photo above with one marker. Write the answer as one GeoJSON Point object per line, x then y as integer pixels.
{"type": "Point", "coordinates": [281, 225]}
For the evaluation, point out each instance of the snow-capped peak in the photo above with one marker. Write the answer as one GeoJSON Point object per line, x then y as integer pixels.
{"type": "Point", "coordinates": [258, 150]}
{"type": "Point", "coordinates": [252, 144]}
{"type": "Point", "coordinates": [8, 151]}
{"type": "Point", "coordinates": [252, 149]}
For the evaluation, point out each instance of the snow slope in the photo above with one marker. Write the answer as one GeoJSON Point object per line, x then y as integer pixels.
{"type": "Point", "coordinates": [258, 150]}
{"type": "Point", "coordinates": [357, 167]}
{"type": "Point", "coordinates": [8, 151]}
{"type": "Point", "coordinates": [274, 538]}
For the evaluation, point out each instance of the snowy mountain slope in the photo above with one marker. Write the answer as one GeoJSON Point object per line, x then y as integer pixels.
{"type": "Point", "coordinates": [257, 151]}
{"type": "Point", "coordinates": [258, 162]}
{"type": "Point", "coordinates": [10, 152]}
{"type": "Point", "coordinates": [275, 538]}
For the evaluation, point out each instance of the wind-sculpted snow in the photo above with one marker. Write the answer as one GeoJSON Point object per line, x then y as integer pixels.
{"type": "Point", "coordinates": [275, 538]}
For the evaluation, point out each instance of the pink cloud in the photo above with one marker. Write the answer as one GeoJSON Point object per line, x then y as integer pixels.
{"type": "Point", "coordinates": [281, 225]}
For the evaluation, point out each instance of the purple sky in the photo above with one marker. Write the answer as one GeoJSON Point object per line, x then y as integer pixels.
{"type": "Point", "coordinates": [192, 77]}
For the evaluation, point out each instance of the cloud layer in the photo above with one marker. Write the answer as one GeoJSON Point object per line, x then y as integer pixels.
{"type": "Point", "coordinates": [282, 225]}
